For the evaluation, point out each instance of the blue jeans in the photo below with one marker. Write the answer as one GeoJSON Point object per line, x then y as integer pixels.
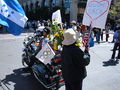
{"type": "Point", "coordinates": [98, 37]}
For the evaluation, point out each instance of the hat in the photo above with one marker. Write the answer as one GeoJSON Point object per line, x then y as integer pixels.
{"type": "Point", "coordinates": [74, 22]}
{"type": "Point", "coordinates": [69, 37]}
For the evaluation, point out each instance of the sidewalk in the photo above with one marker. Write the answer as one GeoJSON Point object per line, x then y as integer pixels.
{"type": "Point", "coordinates": [101, 74]}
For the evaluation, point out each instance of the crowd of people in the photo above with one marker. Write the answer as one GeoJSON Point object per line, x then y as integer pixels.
{"type": "Point", "coordinates": [98, 34]}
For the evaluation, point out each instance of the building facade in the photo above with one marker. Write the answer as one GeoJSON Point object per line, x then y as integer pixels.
{"type": "Point", "coordinates": [73, 8]}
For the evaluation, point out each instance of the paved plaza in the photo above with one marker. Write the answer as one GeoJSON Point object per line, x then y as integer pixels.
{"type": "Point", "coordinates": [101, 73]}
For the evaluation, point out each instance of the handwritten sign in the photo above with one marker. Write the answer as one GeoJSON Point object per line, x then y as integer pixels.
{"type": "Point", "coordinates": [46, 54]}
{"type": "Point", "coordinates": [56, 17]}
{"type": "Point", "coordinates": [96, 13]}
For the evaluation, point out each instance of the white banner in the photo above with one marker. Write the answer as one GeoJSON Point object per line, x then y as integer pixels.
{"type": "Point", "coordinates": [96, 13]}
{"type": "Point", "coordinates": [56, 17]}
{"type": "Point", "coordinates": [45, 54]}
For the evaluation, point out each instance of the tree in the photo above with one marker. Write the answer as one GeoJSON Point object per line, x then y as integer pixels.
{"type": "Point", "coordinates": [44, 12]}
{"type": "Point", "coordinates": [114, 11]}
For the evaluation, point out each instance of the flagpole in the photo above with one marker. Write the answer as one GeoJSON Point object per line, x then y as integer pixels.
{"type": "Point", "coordinates": [87, 43]}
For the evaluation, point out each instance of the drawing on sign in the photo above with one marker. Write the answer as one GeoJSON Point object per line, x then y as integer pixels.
{"type": "Point", "coordinates": [96, 9]}
{"type": "Point", "coordinates": [45, 54]}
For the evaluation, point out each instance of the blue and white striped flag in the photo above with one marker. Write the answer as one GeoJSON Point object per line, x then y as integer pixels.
{"type": "Point", "coordinates": [12, 15]}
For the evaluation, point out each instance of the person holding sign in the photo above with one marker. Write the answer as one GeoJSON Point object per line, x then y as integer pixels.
{"type": "Point", "coordinates": [95, 14]}
{"type": "Point", "coordinates": [74, 61]}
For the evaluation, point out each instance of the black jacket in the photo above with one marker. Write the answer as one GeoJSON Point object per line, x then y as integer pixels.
{"type": "Point", "coordinates": [73, 64]}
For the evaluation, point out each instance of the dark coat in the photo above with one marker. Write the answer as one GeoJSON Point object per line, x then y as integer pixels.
{"type": "Point", "coordinates": [117, 36]}
{"type": "Point", "coordinates": [73, 64]}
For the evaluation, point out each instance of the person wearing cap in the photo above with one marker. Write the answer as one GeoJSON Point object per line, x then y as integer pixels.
{"type": "Point", "coordinates": [73, 25]}
{"type": "Point", "coordinates": [74, 61]}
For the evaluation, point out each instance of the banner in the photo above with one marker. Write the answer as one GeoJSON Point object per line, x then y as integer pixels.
{"type": "Point", "coordinates": [46, 54]}
{"type": "Point", "coordinates": [56, 17]}
{"type": "Point", "coordinates": [12, 15]}
{"type": "Point", "coordinates": [96, 13]}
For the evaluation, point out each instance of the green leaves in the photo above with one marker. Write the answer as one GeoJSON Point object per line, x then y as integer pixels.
{"type": "Point", "coordinates": [57, 33]}
{"type": "Point", "coordinates": [115, 10]}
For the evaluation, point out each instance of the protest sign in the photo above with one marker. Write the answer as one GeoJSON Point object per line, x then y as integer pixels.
{"type": "Point", "coordinates": [96, 13]}
{"type": "Point", "coordinates": [56, 17]}
{"type": "Point", "coordinates": [45, 54]}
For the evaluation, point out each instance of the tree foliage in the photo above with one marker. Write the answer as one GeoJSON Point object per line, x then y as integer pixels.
{"type": "Point", "coordinates": [115, 10]}
{"type": "Point", "coordinates": [43, 12]}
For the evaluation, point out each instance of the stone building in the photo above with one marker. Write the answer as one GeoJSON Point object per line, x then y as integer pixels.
{"type": "Point", "coordinates": [74, 8]}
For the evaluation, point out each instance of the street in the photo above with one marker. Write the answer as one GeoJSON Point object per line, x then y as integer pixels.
{"type": "Point", "coordinates": [101, 74]}
{"type": "Point", "coordinates": [11, 73]}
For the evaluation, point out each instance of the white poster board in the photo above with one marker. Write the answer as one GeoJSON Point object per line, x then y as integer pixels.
{"type": "Point", "coordinates": [45, 54]}
{"type": "Point", "coordinates": [56, 17]}
{"type": "Point", "coordinates": [96, 13]}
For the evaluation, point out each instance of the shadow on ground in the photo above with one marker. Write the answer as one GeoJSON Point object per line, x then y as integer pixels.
{"type": "Point", "coordinates": [110, 63]}
{"type": "Point", "coordinates": [22, 81]}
